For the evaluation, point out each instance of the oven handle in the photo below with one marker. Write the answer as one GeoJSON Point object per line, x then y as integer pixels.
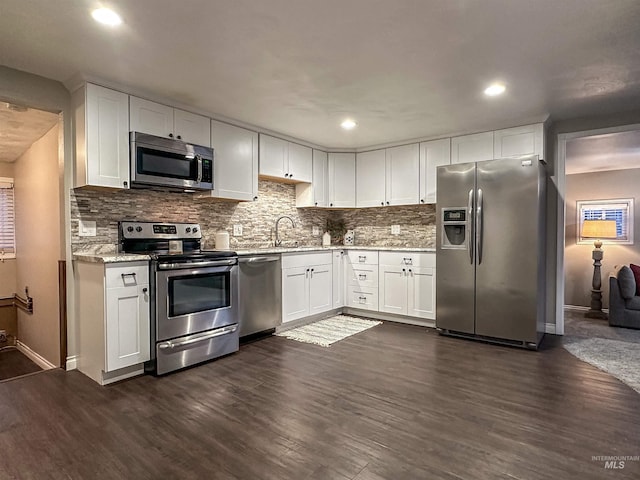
{"type": "Point", "coordinates": [186, 265]}
{"type": "Point", "coordinates": [259, 259]}
{"type": "Point", "coordinates": [201, 338]}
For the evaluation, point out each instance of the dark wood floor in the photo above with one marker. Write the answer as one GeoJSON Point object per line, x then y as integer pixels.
{"type": "Point", "coordinates": [13, 363]}
{"type": "Point", "coordinates": [394, 402]}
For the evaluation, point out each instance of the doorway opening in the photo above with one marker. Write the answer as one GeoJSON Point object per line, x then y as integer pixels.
{"type": "Point", "coordinates": [32, 317]}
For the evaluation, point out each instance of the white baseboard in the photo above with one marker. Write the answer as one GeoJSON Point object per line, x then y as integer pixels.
{"type": "Point", "coordinates": [35, 357]}
{"type": "Point", "coordinates": [580, 308]}
{"type": "Point", "coordinates": [72, 362]}
{"type": "Point", "coordinates": [550, 328]}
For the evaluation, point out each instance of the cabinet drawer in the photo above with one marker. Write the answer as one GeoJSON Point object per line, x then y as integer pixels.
{"type": "Point", "coordinates": [417, 259]}
{"type": "Point", "coordinates": [363, 257]}
{"type": "Point", "coordinates": [362, 276]}
{"type": "Point", "coordinates": [366, 299]}
{"type": "Point", "coordinates": [295, 260]}
{"type": "Point", "coordinates": [126, 274]}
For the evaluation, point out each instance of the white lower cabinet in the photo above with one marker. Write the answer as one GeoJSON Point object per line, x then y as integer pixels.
{"type": "Point", "coordinates": [362, 279]}
{"type": "Point", "coordinates": [306, 285]}
{"type": "Point", "coordinates": [113, 316]}
{"type": "Point", "coordinates": [407, 284]}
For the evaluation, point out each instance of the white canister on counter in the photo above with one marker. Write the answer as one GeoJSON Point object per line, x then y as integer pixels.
{"type": "Point", "coordinates": [326, 239]}
{"type": "Point", "coordinates": [222, 240]}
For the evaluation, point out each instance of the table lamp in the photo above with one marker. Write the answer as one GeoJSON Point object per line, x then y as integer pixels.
{"type": "Point", "coordinates": [598, 230]}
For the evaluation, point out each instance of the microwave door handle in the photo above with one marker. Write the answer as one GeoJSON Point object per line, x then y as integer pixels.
{"type": "Point", "coordinates": [199, 160]}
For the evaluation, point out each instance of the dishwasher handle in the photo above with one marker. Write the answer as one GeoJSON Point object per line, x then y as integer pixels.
{"type": "Point", "coordinates": [258, 259]}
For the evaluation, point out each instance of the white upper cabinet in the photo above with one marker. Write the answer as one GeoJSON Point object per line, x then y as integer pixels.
{"type": "Point", "coordinates": [342, 180]}
{"type": "Point", "coordinates": [235, 165]}
{"type": "Point", "coordinates": [102, 137]}
{"type": "Point", "coordinates": [403, 179]}
{"type": "Point", "coordinates": [472, 148]}
{"type": "Point", "coordinates": [163, 121]}
{"type": "Point", "coordinates": [370, 178]}
{"type": "Point", "coordinates": [432, 155]}
{"type": "Point", "coordinates": [285, 160]}
{"type": "Point", "coordinates": [316, 193]}
{"type": "Point", "coordinates": [517, 141]}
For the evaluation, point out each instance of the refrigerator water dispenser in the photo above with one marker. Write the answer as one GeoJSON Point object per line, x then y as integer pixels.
{"type": "Point", "coordinates": [454, 228]}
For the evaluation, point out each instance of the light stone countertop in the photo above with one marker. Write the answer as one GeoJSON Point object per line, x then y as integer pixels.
{"type": "Point", "coordinates": [110, 257]}
{"type": "Point", "coordinates": [130, 257]}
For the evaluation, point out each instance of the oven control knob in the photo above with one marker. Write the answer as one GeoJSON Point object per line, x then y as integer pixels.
{"type": "Point", "coordinates": [129, 229]}
{"type": "Point", "coordinates": [138, 229]}
{"type": "Point", "coordinates": [188, 229]}
{"type": "Point", "coordinates": [195, 229]}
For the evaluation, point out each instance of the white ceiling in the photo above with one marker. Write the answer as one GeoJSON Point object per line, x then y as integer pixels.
{"type": "Point", "coordinates": [403, 69]}
{"type": "Point", "coordinates": [612, 151]}
{"type": "Point", "coordinates": [20, 129]}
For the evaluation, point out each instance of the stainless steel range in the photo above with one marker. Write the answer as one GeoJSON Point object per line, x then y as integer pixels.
{"type": "Point", "coordinates": [194, 294]}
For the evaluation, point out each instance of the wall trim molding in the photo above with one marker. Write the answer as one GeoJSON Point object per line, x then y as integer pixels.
{"type": "Point", "coordinates": [580, 308]}
{"type": "Point", "coordinates": [72, 362]}
{"type": "Point", "coordinates": [34, 356]}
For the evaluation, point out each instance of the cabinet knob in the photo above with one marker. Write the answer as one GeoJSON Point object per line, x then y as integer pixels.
{"type": "Point", "coordinates": [255, 198]}
{"type": "Point", "coordinates": [381, 203]}
{"type": "Point", "coordinates": [422, 200]}
{"type": "Point", "coordinates": [291, 175]}
{"type": "Point", "coordinates": [179, 137]}
{"type": "Point", "coordinates": [171, 135]}
{"type": "Point", "coordinates": [331, 204]}
{"type": "Point", "coordinates": [387, 203]}
{"type": "Point", "coordinates": [286, 175]}
{"type": "Point", "coordinates": [125, 184]}
{"type": "Point", "coordinates": [145, 290]}
{"type": "Point", "coordinates": [316, 204]}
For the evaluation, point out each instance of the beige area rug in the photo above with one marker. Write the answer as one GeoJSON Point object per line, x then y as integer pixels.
{"type": "Point", "coordinates": [329, 331]}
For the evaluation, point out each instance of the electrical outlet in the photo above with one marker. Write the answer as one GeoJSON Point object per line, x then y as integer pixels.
{"type": "Point", "coordinates": [3, 336]}
{"type": "Point", "coordinates": [315, 231]}
{"type": "Point", "coordinates": [237, 230]}
{"type": "Point", "coordinates": [87, 228]}
{"type": "Point", "coordinates": [395, 229]}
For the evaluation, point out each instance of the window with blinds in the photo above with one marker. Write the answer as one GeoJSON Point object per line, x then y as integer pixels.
{"type": "Point", "coordinates": [620, 210]}
{"type": "Point", "coordinates": [7, 219]}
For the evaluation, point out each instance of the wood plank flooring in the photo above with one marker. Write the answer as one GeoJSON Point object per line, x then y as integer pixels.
{"type": "Point", "coordinates": [394, 402]}
{"type": "Point", "coordinates": [13, 363]}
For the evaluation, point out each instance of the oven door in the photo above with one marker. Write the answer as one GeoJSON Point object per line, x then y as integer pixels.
{"type": "Point", "coordinates": [195, 299]}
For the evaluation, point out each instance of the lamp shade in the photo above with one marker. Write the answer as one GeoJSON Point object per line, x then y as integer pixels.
{"type": "Point", "coordinates": [599, 229]}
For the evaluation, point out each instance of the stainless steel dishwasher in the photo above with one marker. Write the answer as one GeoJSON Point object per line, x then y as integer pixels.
{"type": "Point", "coordinates": [260, 296]}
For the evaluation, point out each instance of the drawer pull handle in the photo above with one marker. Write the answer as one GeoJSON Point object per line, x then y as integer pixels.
{"type": "Point", "coordinates": [125, 275]}
{"type": "Point", "coordinates": [362, 258]}
{"type": "Point", "coordinates": [362, 299]}
{"type": "Point", "coordinates": [408, 261]}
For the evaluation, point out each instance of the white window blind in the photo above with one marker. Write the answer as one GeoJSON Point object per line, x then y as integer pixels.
{"type": "Point", "coordinates": [7, 219]}
{"type": "Point", "coordinates": [620, 210]}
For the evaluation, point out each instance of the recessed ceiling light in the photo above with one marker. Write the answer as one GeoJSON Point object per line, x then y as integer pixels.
{"type": "Point", "coordinates": [106, 16]}
{"type": "Point", "coordinates": [494, 89]}
{"type": "Point", "coordinates": [348, 124]}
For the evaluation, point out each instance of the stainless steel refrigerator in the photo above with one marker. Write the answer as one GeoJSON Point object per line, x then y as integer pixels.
{"type": "Point", "coordinates": [490, 275]}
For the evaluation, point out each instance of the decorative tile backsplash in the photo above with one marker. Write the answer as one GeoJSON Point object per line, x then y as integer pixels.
{"type": "Point", "coordinates": [372, 225]}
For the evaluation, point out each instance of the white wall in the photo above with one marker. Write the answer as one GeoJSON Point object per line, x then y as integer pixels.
{"type": "Point", "coordinates": [8, 266]}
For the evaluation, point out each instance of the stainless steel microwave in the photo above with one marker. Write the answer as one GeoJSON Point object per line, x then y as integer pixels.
{"type": "Point", "coordinates": [172, 164]}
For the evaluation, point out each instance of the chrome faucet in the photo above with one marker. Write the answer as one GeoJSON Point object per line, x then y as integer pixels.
{"type": "Point", "coordinates": [278, 242]}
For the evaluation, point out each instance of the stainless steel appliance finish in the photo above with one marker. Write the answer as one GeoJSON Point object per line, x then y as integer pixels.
{"type": "Point", "coordinates": [172, 164]}
{"type": "Point", "coordinates": [194, 294]}
{"type": "Point", "coordinates": [260, 293]}
{"type": "Point", "coordinates": [491, 250]}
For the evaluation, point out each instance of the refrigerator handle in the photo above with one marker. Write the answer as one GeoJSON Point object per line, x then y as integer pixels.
{"type": "Point", "coordinates": [479, 227]}
{"type": "Point", "coordinates": [470, 223]}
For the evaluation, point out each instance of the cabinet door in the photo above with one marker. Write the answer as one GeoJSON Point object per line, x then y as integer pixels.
{"type": "Point", "coordinates": [192, 128]}
{"type": "Point", "coordinates": [422, 292]}
{"type": "Point", "coordinates": [393, 289]}
{"type": "Point", "coordinates": [338, 285]}
{"type": "Point", "coordinates": [127, 326]}
{"type": "Point", "coordinates": [107, 137]}
{"type": "Point", "coordinates": [300, 161]}
{"type": "Point", "coordinates": [342, 180]}
{"type": "Point", "coordinates": [370, 178]}
{"type": "Point", "coordinates": [235, 165]}
{"type": "Point", "coordinates": [319, 180]}
{"type": "Point", "coordinates": [295, 293]}
{"type": "Point", "coordinates": [403, 175]}
{"type": "Point", "coordinates": [320, 288]}
{"type": "Point", "coordinates": [472, 148]}
{"type": "Point", "coordinates": [432, 155]}
{"type": "Point", "coordinates": [514, 142]}
{"type": "Point", "coordinates": [273, 156]}
{"type": "Point", "coordinates": [150, 117]}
